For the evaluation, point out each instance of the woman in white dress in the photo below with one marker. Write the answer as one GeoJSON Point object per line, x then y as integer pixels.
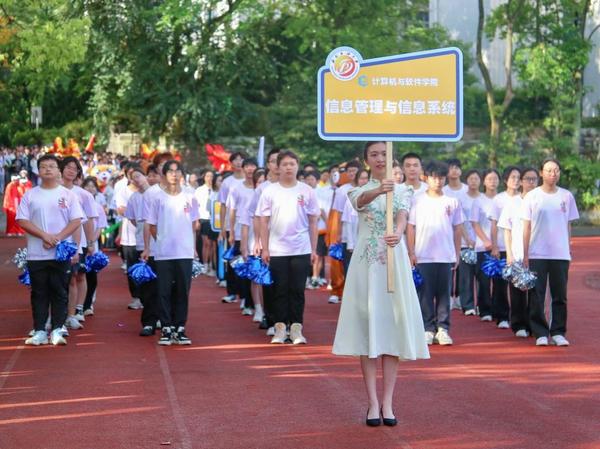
{"type": "Point", "coordinates": [373, 323]}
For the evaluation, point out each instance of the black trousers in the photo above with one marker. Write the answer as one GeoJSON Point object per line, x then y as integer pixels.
{"type": "Point", "coordinates": [466, 285]}
{"type": "Point", "coordinates": [49, 288]}
{"type": "Point", "coordinates": [131, 256]}
{"type": "Point", "coordinates": [500, 305]}
{"type": "Point", "coordinates": [92, 284]}
{"type": "Point", "coordinates": [149, 298]}
{"type": "Point", "coordinates": [268, 298]}
{"type": "Point", "coordinates": [289, 279]}
{"type": "Point", "coordinates": [556, 273]}
{"type": "Point", "coordinates": [243, 285]}
{"type": "Point", "coordinates": [347, 256]}
{"type": "Point", "coordinates": [434, 295]}
{"type": "Point", "coordinates": [173, 278]}
{"type": "Point", "coordinates": [233, 287]}
{"type": "Point", "coordinates": [519, 309]}
{"type": "Point", "coordinates": [484, 301]}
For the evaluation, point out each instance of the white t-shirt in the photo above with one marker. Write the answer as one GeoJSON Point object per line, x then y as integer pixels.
{"type": "Point", "coordinates": [510, 219]}
{"type": "Point", "coordinates": [422, 188]}
{"type": "Point", "coordinates": [550, 214]}
{"type": "Point", "coordinates": [502, 201]}
{"type": "Point", "coordinates": [128, 230]}
{"type": "Point", "coordinates": [482, 211]}
{"type": "Point", "coordinates": [466, 204]}
{"type": "Point", "coordinates": [173, 216]}
{"type": "Point", "coordinates": [226, 186]}
{"type": "Point", "coordinates": [458, 193]}
{"type": "Point", "coordinates": [202, 195]}
{"type": "Point", "coordinates": [341, 196]}
{"type": "Point", "coordinates": [239, 199]}
{"type": "Point", "coordinates": [434, 219]}
{"type": "Point", "coordinates": [146, 203]}
{"type": "Point", "coordinates": [289, 208]}
{"type": "Point", "coordinates": [88, 205]}
{"type": "Point", "coordinates": [134, 212]}
{"type": "Point", "coordinates": [350, 223]}
{"type": "Point", "coordinates": [51, 210]}
{"type": "Point", "coordinates": [324, 197]}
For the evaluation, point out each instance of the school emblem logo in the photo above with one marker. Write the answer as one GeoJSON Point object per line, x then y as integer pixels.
{"type": "Point", "coordinates": [62, 202]}
{"type": "Point", "coordinates": [563, 207]}
{"type": "Point", "coordinates": [301, 200]}
{"type": "Point", "coordinates": [187, 208]}
{"type": "Point", "coordinates": [344, 63]}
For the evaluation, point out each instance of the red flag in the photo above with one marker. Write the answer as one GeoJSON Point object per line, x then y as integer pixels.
{"type": "Point", "coordinates": [89, 148]}
{"type": "Point", "coordinates": [218, 157]}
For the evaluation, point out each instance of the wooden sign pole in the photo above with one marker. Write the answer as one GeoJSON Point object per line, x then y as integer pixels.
{"type": "Point", "coordinates": [389, 215]}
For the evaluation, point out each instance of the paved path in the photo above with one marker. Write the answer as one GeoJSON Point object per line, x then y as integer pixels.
{"type": "Point", "coordinates": [110, 388]}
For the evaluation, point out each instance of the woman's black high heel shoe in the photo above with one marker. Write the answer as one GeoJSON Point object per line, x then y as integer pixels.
{"type": "Point", "coordinates": [373, 422]}
{"type": "Point", "coordinates": [391, 422]}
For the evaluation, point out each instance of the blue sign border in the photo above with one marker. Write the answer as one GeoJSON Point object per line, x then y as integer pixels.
{"type": "Point", "coordinates": [397, 137]}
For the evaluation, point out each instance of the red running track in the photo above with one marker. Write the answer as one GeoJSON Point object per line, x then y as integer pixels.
{"type": "Point", "coordinates": [110, 388]}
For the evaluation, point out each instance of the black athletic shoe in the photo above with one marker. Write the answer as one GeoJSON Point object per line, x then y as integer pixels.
{"type": "Point", "coordinates": [147, 331]}
{"type": "Point", "coordinates": [179, 337]}
{"type": "Point", "coordinates": [263, 324]}
{"type": "Point", "coordinates": [166, 337]}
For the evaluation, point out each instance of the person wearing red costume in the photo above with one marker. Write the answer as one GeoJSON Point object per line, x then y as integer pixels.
{"type": "Point", "coordinates": [12, 197]}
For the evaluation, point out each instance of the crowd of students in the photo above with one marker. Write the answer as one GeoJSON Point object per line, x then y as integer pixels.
{"type": "Point", "coordinates": [290, 215]}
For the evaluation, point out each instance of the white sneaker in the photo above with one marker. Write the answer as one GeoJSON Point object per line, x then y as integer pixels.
{"type": "Point", "coordinates": [296, 334]}
{"type": "Point", "coordinates": [228, 299]}
{"type": "Point", "coordinates": [470, 312]}
{"type": "Point", "coordinates": [280, 334]}
{"type": "Point", "coordinates": [89, 312]}
{"type": "Point", "coordinates": [64, 331]}
{"type": "Point", "coordinates": [522, 333]}
{"type": "Point", "coordinates": [429, 337]}
{"type": "Point", "coordinates": [443, 338]}
{"type": "Point", "coordinates": [247, 311]}
{"type": "Point", "coordinates": [38, 338]}
{"type": "Point", "coordinates": [73, 323]}
{"type": "Point", "coordinates": [242, 303]}
{"type": "Point", "coordinates": [503, 325]}
{"type": "Point", "coordinates": [203, 270]}
{"type": "Point", "coordinates": [322, 282]}
{"type": "Point", "coordinates": [31, 333]}
{"type": "Point", "coordinates": [57, 338]}
{"type": "Point", "coordinates": [333, 299]}
{"type": "Point", "coordinates": [271, 331]}
{"type": "Point", "coordinates": [79, 316]}
{"type": "Point", "coordinates": [135, 304]}
{"type": "Point", "coordinates": [560, 340]}
{"type": "Point", "coordinates": [124, 267]}
{"type": "Point", "coordinates": [258, 316]}
{"type": "Point", "coordinates": [486, 318]}
{"type": "Point", "coordinates": [542, 341]}
{"type": "Point", "coordinates": [223, 284]}
{"type": "Point", "coordinates": [455, 301]}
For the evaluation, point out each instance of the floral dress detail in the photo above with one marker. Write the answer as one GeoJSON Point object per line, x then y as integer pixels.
{"type": "Point", "coordinates": [373, 322]}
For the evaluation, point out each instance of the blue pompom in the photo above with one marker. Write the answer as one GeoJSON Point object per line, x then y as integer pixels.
{"type": "Point", "coordinates": [230, 253]}
{"type": "Point", "coordinates": [65, 250]}
{"type": "Point", "coordinates": [24, 278]}
{"type": "Point", "coordinates": [493, 267]}
{"type": "Point", "coordinates": [259, 272]}
{"type": "Point", "coordinates": [468, 256]}
{"type": "Point", "coordinates": [96, 262]}
{"type": "Point", "coordinates": [141, 273]}
{"type": "Point", "coordinates": [336, 251]}
{"type": "Point", "coordinates": [196, 268]}
{"type": "Point", "coordinates": [417, 277]}
{"type": "Point", "coordinates": [240, 268]}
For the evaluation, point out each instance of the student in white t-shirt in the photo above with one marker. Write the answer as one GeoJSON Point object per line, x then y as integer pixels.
{"type": "Point", "coordinates": [203, 194]}
{"type": "Point", "coordinates": [311, 178]}
{"type": "Point", "coordinates": [480, 217]}
{"type": "Point", "coordinates": [467, 272]}
{"type": "Point", "coordinates": [433, 237]}
{"type": "Point", "coordinates": [72, 175]}
{"type": "Point", "coordinates": [547, 213]}
{"type": "Point", "coordinates": [350, 215]}
{"type": "Point", "coordinates": [173, 219]}
{"type": "Point", "coordinates": [48, 213]}
{"type": "Point", "coordinates": [511, 176]}
{"type": "Point", "coordinates": [91, 185]}
{"type": "Point", "coordinates": [510, 222]}
{"type": "Point", "coordinates": [289, 213]}
{"type": "Point", "coordinates": [238, 201]}
{"type": "Point", "coordinates": [456, 189]}
{"type": "Point", "coordinates": [413, 169]}
{"type": "Point", "coordinates": [325, 198]}
{"type": "Point", "coordinates": [247, 245]}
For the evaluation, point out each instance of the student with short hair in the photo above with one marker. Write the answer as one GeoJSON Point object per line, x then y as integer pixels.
{"type": "Point", "coordinates": [510, 222]}
{"type": "Point", "coordinates": [433, 236]}
{"type": "Point", "coordinates": [412, 168]}
{"type": "Point", "coordinates": [173, 220]}
{"type": "Point", "coordinates": [49, 213]}
{"type": "Point", "coordinates": [547, 213]}
{"type": "Point", "coordinates": [289, 212]}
